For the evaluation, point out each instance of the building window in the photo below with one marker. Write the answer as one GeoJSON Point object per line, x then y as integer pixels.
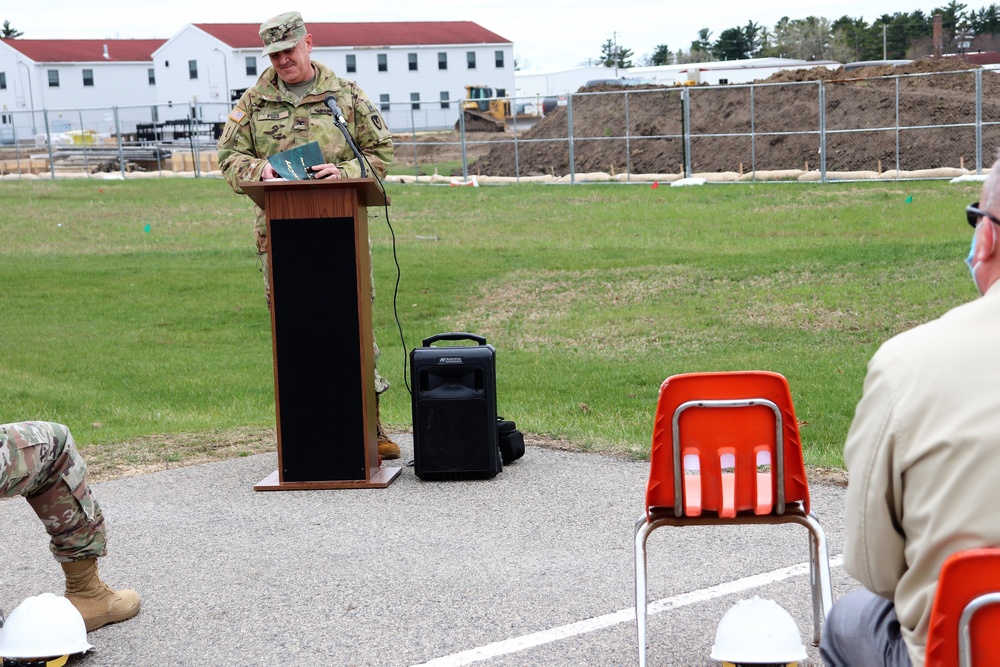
{"type": "Point", "coordinates": [498, 57]}
{"type": "Point", "coordinates": [412, 57]}
{"type": "Point", "coordinates": [723, 82]}
{"type": "Point", "coordinates": [383, 63]}
{"type": "Point", "coordinates": [88, 77]}
{"type": "Point", "coordinates": [445, 100]}
{"type": "Point", "coordinates": [415, 101]}
{"type": "Point", "coordinates": [352, 64]}
{"type": "Point", "coordinates": [470, 58]}
{"type": "Point", "coordinates": [53, 78]}
{"type": "Point", "coordinates": [442, 60]}
{"type": "Point", "coordinates": [3, 80]}
{"type": "Point", "coordinates": [383, 100]}
{"type": "Point", "coordinates": [192, 69]}
{"type": "Point", "coordinates": [251, 66]}
{"type": "Point", "coordinates": [151, 74]}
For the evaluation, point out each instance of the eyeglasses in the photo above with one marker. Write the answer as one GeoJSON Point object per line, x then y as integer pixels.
{"type": "Point", "coordinates": [972, 214]}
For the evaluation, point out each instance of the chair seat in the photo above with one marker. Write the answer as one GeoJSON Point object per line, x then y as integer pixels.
{"type": "Point", "coordinates": [794, 513]}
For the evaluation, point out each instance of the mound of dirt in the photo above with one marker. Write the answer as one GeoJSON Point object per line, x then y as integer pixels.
{"type": "Point", "coordinates": [860, 117]}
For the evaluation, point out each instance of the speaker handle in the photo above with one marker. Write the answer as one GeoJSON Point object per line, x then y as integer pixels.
{"type": "Point", "coordinates": [454, 335]}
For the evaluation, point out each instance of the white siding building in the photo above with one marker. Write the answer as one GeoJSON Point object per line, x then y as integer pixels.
{"type": "Point", "coordinates": [416, 72]}
{"type": "Point", "coordinates": [50, 83]}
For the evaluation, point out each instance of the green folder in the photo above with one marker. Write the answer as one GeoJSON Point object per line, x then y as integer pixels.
{"type": "Point", "coordinates": [294, 163]}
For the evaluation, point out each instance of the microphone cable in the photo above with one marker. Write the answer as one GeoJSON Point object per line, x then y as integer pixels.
{"type": "Point", "coordinates": [338, 120]}
{"type": "Point", "coordinates": [399, 274]}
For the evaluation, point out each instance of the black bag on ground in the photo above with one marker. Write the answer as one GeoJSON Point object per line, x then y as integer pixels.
{"type": "Point", "coordinates": [510, 440]}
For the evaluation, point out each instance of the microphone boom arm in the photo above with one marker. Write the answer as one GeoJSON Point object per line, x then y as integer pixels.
{"type": "Point", "coordinates": [338, 120]}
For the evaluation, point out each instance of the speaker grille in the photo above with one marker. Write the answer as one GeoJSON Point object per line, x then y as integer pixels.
{"type": "Point", "coordinates": [453, 438]}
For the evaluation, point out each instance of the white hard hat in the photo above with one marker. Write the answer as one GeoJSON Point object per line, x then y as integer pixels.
{"type": "Point", "coordinates": [758, 632]}
{"type": "Point", "coordinates": [44, 626]}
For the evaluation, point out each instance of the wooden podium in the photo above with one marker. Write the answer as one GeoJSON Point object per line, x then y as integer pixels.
{"type": "Point", "coordinates": [321, 333]}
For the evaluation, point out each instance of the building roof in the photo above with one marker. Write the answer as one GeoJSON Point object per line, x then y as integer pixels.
{"type": "Point", "coordinates": [364, 35]}
{"type": "Point", "coordinates": [86, 50]}
{"type": "Point", "coordinates": [983, 57]}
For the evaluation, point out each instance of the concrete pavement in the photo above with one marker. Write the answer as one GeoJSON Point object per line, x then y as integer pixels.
{"type": "Point", "coordinates": [533, 567]}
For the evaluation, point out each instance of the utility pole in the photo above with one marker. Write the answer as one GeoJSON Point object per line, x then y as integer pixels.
{"type": "Point", "coordinates": [884, 57]}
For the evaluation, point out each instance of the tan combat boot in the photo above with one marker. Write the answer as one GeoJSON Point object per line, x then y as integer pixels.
{"type": "Point", "coordinates": [387, 449]}
{"type": "Point", "coordinates": [96, 601]}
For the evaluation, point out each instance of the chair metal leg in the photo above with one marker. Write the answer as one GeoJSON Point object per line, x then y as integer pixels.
{"type": "Point", "coordinates": [642, 530]}
{"type": "Point", "coordinates": [819, 575]}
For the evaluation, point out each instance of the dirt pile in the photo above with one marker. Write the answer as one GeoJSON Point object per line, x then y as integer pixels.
{"type": "Point", "coordinates": [935, 113]}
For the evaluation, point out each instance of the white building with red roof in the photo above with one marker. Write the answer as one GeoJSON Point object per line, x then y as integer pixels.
{"type": "Point", "coordinates": [415, 71]}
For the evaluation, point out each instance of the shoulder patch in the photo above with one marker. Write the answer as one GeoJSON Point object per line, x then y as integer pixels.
{"type": "Point", "coordinates": [236, 115]}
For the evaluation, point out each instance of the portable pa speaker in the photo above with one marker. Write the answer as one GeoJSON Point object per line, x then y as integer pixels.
{"type": "Point", "coordinates": [454, 409]}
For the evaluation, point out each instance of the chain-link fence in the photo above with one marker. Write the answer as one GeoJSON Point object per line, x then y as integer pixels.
{"type": "Point", "coordinates": [932, 125]}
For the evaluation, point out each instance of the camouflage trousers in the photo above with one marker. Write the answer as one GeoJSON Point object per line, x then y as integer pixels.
{"type": "Point", "coordinates": [39, 460]}
{"type": "Point", "coordinates": [381, 384]}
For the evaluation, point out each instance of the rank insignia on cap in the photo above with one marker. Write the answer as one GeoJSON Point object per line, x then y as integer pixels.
{"type": "Point", "coordinates": [236, 115]}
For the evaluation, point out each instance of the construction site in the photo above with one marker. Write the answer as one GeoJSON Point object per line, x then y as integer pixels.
{"type": "Point", "coordinates": [931, 118]}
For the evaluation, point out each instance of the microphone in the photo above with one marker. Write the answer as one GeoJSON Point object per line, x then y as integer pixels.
{"type": "Point", "coordinates": [338, 120]}
{"type": "Point", "coordinates": [338, 116]}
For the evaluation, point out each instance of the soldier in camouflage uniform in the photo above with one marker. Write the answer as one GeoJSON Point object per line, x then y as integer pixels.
{"type": "Point", "coordinates": [285, 109]}
{"type": "Point", "coordinates": [39, 460]}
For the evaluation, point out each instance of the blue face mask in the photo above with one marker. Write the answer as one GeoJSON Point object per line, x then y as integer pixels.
{"type": "Point", "coordinates": [968, 260]}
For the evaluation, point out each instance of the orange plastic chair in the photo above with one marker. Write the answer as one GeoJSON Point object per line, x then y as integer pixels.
{"type": "Point", "coordinates": [726, 450]}
{"type": "Point", "coordinates": [965, 617]}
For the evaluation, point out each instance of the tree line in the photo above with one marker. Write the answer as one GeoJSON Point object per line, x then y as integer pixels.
{"type": "Point", "coordinates": [901, 35]}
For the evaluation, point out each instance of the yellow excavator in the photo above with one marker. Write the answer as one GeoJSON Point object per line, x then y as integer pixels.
{"type": "Point", "coordinates": [484, 111]}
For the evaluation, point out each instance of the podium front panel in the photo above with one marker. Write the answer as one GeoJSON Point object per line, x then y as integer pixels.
{"type": "Point", "coordinates": [319, 374]}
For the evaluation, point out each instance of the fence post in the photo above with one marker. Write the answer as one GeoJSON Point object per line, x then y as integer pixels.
{"type": "Point", "coordinates": [628, 144]}
{"type": "Point", "coordinates": [461, 136]}
{"type": "Point", "coordinates": [686, 129]}
{"type": "Point", "coordinates": [118, 134]}
{"type": "Point", "coordinates": [86, 160]}
{"type": "Point", "coordinates": [416, 160]}
{"type": "Point", "coordinates": [48, 142]}
{"type": "Point", "coordinates": [753, 137]}
{"type": "Point", "coordinates": [822, 132]}
{"type": "Point", "coordinates": [979, 121]}
{"type": "Point", "coordinates": [517, 155]}
{"type": "Point", "coordinates": [569, 131]}
{"type": "Point", "coordinates": [897, 127]}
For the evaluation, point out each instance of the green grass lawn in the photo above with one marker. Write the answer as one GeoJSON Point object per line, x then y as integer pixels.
{"type": "Point", "coordinates": [135, 308]}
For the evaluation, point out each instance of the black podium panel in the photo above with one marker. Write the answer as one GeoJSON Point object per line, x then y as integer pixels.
{"type": "Point", "coordinates": [316, 350]}
{"type": "Point", "coordinates": [454, 410]}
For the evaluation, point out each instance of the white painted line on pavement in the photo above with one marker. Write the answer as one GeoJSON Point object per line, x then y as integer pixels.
{"type": "Point", "coordinates": [516, 644]}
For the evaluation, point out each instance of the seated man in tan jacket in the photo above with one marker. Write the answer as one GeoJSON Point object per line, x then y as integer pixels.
{"type": "Point", "coordinates": [923, 454]}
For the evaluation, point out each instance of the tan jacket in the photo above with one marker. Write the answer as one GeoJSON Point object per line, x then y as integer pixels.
{"type": "Point", "coordinates": [923, 455]}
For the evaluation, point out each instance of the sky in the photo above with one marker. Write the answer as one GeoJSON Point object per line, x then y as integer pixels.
{"type": "Point", "coordinates": [548, 35]}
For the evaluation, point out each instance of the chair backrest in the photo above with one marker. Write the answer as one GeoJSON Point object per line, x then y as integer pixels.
{"type": "Point", "coordinates": [965, 618]}
{"type": "Point", "coordinates": [726, 443]}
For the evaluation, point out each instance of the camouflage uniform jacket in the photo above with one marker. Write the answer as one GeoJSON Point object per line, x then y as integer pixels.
{"type": "Point", "coordinates": [268, 119]}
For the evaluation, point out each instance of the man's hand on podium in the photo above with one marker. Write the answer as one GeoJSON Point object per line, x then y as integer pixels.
{"type": "Point", "coordinates": [319, 171]}
{"type": "Point", "coordinates": [325, 171]}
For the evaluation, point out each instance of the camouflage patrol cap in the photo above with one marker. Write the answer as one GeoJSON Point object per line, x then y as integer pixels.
{"type": "Point", "coordinates": [282, 32]}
